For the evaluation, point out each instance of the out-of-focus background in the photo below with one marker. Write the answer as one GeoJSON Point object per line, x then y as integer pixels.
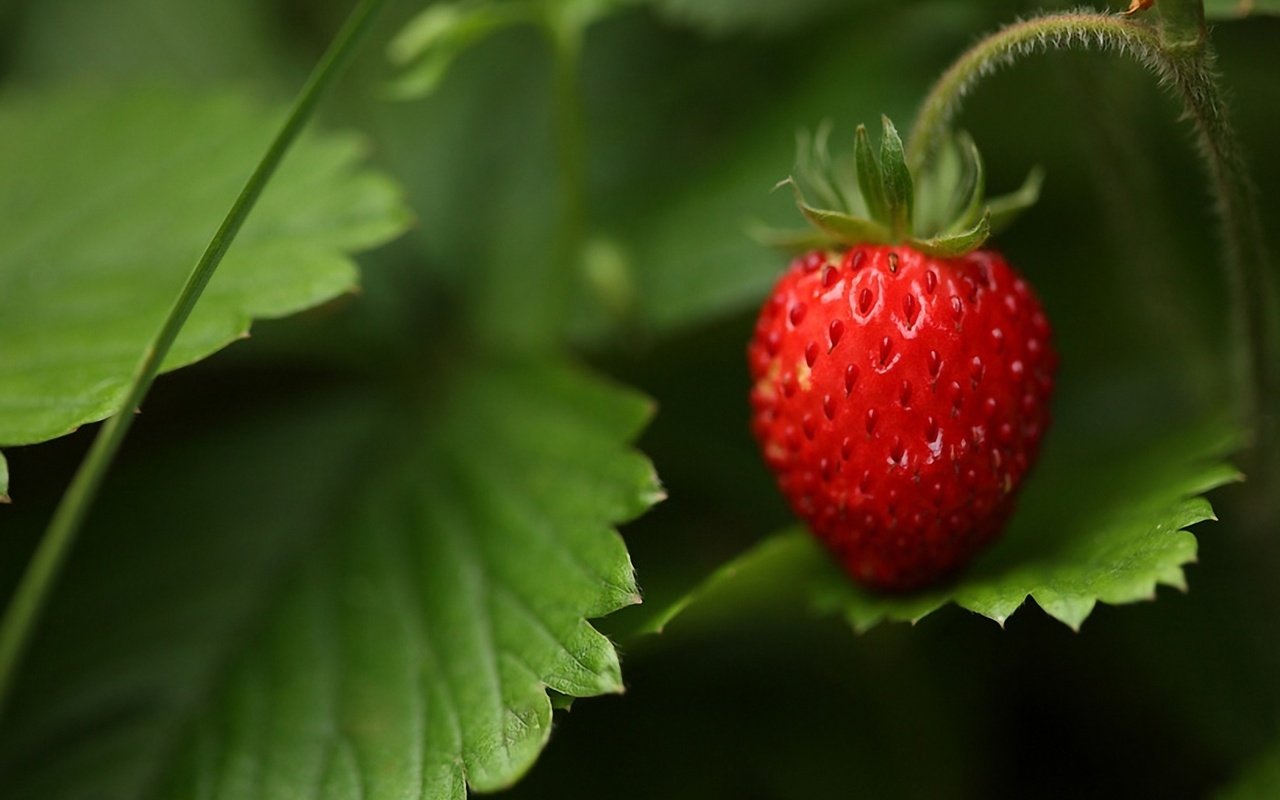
{"type": "Point", "coordinates": [690, 113]}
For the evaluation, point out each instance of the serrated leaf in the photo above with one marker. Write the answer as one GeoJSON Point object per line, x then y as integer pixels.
{"type": "Point", "coordinates": [870, 179]}
{"type": "Point", "coordinates": [379, 611]}
{"type": "Point", "coordinates": [1004, 209]}
{"type": "Point", "coordinates": [956, 244]}
{"type": "Point", "coordinates": [898, 189]}
{"type": "Point", "coordinates": [1237, 9]}
{"type": "Point", "coordinates": [108, 199]}
{"type": "Point", "coordinates": [1102, 529]}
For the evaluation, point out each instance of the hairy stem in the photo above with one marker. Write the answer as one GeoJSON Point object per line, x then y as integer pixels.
{"type": "Point", "coordinates": [1180, 57]}
{"type": "Point", "coordinates": [28, 602]}
{"type": "Point", "coordinates": [1080, 30]}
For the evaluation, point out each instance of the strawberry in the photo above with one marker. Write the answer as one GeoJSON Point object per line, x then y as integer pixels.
{"type": "Point", "coordinates": [901, 386]}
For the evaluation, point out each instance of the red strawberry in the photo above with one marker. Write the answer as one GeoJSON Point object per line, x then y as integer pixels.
{"type": "Point", "coordinates": [901, 376]}
{"type": "Point", "coordinates": [900, 399]}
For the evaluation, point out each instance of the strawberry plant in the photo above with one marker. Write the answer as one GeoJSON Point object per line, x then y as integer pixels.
{"type": "Point", "coordinates": [499, 461]}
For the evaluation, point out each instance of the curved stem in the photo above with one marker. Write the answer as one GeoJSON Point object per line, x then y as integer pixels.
{"type": "Point", "coordinates": [1186, 66]}
{"type": "Point", "coordinates": [1082, 30]}
{"type": "Point", "coordinates": [28, 602]}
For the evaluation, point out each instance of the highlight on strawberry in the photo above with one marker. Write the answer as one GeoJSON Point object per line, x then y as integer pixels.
{"type": "Point", "coordinates": [901, 371]}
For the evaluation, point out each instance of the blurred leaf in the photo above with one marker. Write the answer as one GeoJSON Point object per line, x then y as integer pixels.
{"type": "Point", "coordinates": [1234, 9]}
{"type": "Point", "coordinates": [431, 41]}
{"type": "Point", "coordinates": [720, 17]}
{"type": "Point", "coordinates": [340, 613]}
{"type": "Point", "coordinates": [4, 479]}
{"type": "Point", "coordinates": [1260, 782]}
{"type": "Point", "coordinates": [1064, 552]}
{"type": "Point", "coordinates": [108, 199]}
{"type": "Point", "coordinates": [194, 42]}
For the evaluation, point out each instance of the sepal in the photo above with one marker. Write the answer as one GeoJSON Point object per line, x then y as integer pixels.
{"type": "Point", "coordinates": [1006, 208]}
{"type": "Point", "coordinates": [898, 189]}
{"type": "Point", "coordinates": [943, 212]}
{"type": "Point", "coordinates": [951, 245]}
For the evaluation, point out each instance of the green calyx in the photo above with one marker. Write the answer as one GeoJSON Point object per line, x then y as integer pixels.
{"type": "Point", "coordinates": [942, 212]}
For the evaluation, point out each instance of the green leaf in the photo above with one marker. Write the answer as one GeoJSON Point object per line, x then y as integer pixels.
{"type": "Point", "coordinates": [956, 244]}
{"type": "Point", "coordinates": [363, 598]}
{"type": "Point", "coordinates": [4, 479]}
{"type": "Point", "coordinates": [188, 42]}
{"type": "Point", "coordinates": [1236, 9]}
{"type": "Point", "coordinates": [898, 190]}
{"type": "Point", "coordinates": [111, 199]}
{"type": "Point", "coordinates": [870, 179]}
{"type": "Point", "coordinates": [1004, 209]}
{"type": "Point", "coordinates": [1099, 528]}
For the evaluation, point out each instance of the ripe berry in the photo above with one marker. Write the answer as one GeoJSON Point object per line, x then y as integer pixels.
{"type": "Point", "coordinates": [901, 376]}
{"type": "Point", "coordinates": [900, 399]}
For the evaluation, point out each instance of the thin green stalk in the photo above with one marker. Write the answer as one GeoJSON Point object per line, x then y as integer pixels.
{"type": "Point", "coordinates": [565, 31]}
{"type": "Point", "coordinates": [28, 602]}
{"type": "Point", "coordinates": [1181, 59]}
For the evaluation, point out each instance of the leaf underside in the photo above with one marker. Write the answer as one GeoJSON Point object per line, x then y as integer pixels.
{"type": "Point", "coordinates": [1098, 530]}
{"type": "Point", "coordinates": [377, 632]}
{"type": "Point", "coordinates": [108, 199]}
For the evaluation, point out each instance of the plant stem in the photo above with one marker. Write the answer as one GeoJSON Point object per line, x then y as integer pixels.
{"type": "Point", "coordinates": [29, 599]}
{"type": "Point", "coordinates": [1179, 55]}
{"type": "Point", "coordinates": [1078, 29]}
{"type": "Point", "coordinates": [565, 31]}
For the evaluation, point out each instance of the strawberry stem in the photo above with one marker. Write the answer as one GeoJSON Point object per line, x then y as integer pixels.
{"type": "Point", "coordinates": [1179, 55]}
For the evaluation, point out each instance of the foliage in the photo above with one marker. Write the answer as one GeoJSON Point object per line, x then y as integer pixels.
{"type": "Point", "coordinates": [142, 179]}
{"type": "Point", "coordinates": [1065, 554]}
{"type": "Point", "coordinates": [392, 627]}
{"type": "Point", "coordinates": [371, 551]}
